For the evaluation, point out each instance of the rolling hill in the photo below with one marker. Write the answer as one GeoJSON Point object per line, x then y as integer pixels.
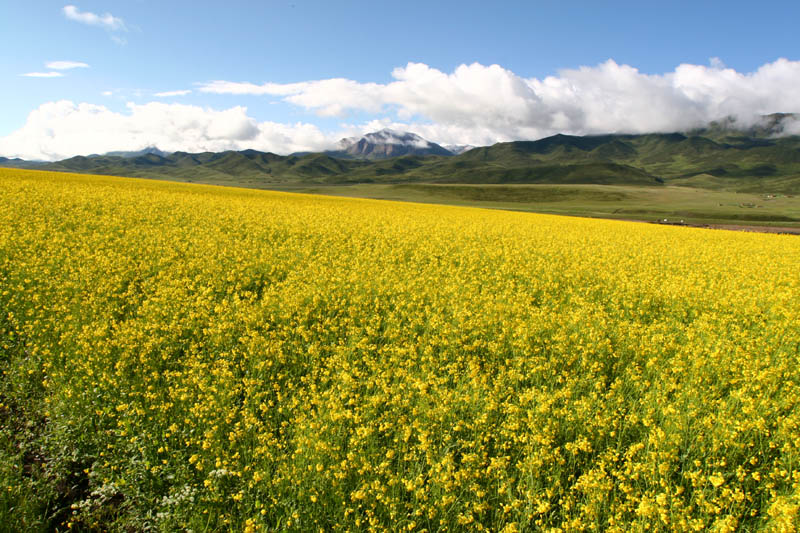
{"type": "Point", "coordinates": [709, 159]}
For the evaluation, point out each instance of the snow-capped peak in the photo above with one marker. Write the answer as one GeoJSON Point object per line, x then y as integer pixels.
{"type": "Point", "coordinates": [388, 136]}
{"type": "Point", "coordinates": [389, 143]}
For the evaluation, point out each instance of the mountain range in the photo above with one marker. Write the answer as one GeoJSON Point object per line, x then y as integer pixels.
{"type": "Point", "coordinates": [717, 157]}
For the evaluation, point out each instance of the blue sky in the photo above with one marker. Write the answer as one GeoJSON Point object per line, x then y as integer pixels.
{"type": "Point", "coordinates": [464, 72]}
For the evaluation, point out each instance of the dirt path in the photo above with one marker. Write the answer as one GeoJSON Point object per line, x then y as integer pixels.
{"type": "Point", "coordinates": [739, 227]}
{"type": "Point", "coordinates": [757, 229]}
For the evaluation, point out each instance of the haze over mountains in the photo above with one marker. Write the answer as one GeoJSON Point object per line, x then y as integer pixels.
{"type": "Point", "coordinates": [717, 157]}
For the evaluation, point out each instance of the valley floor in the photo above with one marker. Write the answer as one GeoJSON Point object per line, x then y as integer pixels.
{"type": "Point", "coordinates": [678, 205]}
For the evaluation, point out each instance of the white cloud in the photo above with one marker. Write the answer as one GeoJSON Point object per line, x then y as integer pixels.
{"type": "Point", "coordinates": [716, 62]}
{"type": "Point", "coordinates": [231, 87]}
{"type": "Point", "coordinates": [42, 74]}
{"type": "Point", "coordinates": [792, 127]}
{"type": "Point", "coordinates": [173, 93]}
{"type": "Point", "coordinates": [476, 104]}
{"type": "Point", "coordinates": [329, 97]}
{"type": "Point", "coordinates": [57, 130]}
{"type": "Point", "coordinates": [65, 65]}
{"type": "Point", "coordinates": [55, 66]}
{"type": "Point", "coordinates": [107, 20]}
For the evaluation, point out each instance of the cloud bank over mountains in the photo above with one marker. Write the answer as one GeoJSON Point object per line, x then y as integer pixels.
{"type": "Point", "coordinates": [57, 130]}
{"type": "Point", "coordinates": [505, 106]}
{"type": "Point", "coordinates": [475, 104]}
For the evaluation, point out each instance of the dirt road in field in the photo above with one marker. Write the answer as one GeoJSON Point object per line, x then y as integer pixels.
{"type": "Point", "coordinates": [738, 227]}
{"type": "Point", "coordinates": [757, 229]}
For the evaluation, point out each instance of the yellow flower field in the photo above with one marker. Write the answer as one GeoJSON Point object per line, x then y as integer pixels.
{"type": "Point", "coordinates": [187, 357]}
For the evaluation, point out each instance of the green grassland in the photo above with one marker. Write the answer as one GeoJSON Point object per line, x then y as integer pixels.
{"type": "Point", "coordinates": [693, 206]}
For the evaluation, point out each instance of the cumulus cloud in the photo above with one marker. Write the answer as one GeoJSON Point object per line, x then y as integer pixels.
{"type": "Point", "coordinates": [106, 21]}
{"type": "Point", "coordinates": [57, 130]}
{"type": "Point", "coordinates": [166, 94]}
{"type": "Point", "coordinates": [476, 104]}
{"type": "Point", "coordinates": [42, 74]}
{"type": "Point", "coordinates": [65, 65]}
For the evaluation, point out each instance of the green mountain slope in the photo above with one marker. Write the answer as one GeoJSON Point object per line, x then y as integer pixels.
{"type": "Point", "coordinates": [720, 159]}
